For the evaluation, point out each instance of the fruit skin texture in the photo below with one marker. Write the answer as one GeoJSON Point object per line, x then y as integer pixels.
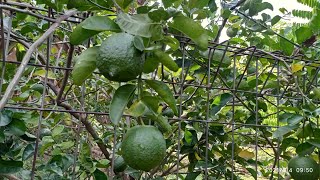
{"type": "Point", "coordinates": [300, 168]}
{"type": "Point", "coordinates": [118, 59]}
{"type": "Point", "coordinates": [143, 147]}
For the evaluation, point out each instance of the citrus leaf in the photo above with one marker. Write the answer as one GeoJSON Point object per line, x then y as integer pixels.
{"type": "Point", "coordinates": [92, 26]}
{"type": "Point", "coordinates": [165, 93]}
{"type": "Point", "coordinates": [17, 127]}
{"type": "Point", "coordinates": [28, 152]}
{"type": "Point", "coordinates": [9, 167]}
{"type": "Point", "coordinates": [168, 3]}
{"type": "Point", "coordinates": [162, 121]}
{"type": "Point", "coordinates": [220, 102]}
{"type": "Point", "coordinates": [100, 23]}
{"type": "Point", "coordinates": [172, 42]}
{"type": "Point", "coordinates": [138, 24]}
{"type": "Point", "coordinates": [296, 67]}
{"type": "Point", "coordinates": [286, 46]}
{"type": "Point", "coordinates": [57, 131]}
{"type": "Point", "coordinates": [124, 3]}
{"type": "Point", "coordinates": [85, 65]}
{"type": "Point", "coordinates": [151, 102]}
{"type": "Point", "coordinates": [138, 43]}
{"type": "Point", "coordinates": [246, 154]}
{"type": "Point", "coordinates": [150, 64]}
{"type": "Point", "coordinates": [191, 29]}
{"type": "Point", "coordinates": [99, 175]}
{"type": "Point", "coordinates": [137, 109]}
{"type": "Point", "coordinates": [283, 130]}
{"type": "Point", "coordinates": [166, 60]}
{"type": "Point", "coordinates": [42, 73]}
{"type": "Point", "coordinates": [315, 142]}
{"type": "Point", "coordinates": [119, 102]}
{"type": "Point", "coordinates": [4, 119]}
{"type": "Point", "coordinates": [198, 3]}
{"type": "Point", "coordinates": [85, 5]}
{"type": "Point", "coordinates": [304, 149]}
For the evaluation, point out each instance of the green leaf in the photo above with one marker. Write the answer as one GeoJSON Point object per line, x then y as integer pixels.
{"type": "Point", "coordinates": [212, 5]}
{"type": "Point", "coordinates": [150, 64]}
{"type": "Point", "coordinates": [100, 23]}
{"type": "Point", "coordinates": [139, 24]}
{"type": "Point", "coordinates": [66, 145]}
{"type": "Point", "coordinates": [275, 19]}
{"type": "Point", "coordinates": [198, 4]}
{"type": "Point", "coordinates": [42, 73]}
{"type": "Point", "coordinates": [192, 175]}
{"type": "Point", "coordinates": [17, 127]}
{"type": "Point", "coordinates": [10, 167]}
{"type": "Point", "coordinates": [137, 109]}
{"type": "Point", "coordinates": [57, 131]}
{"type": "Point", "coordinates": [286, 46]}
{"type": "Point", "coordinates": [168, 3]}
{"type": "Point", "coordinates": [220, 102]}
{"type": "Point", "coordinates": [99, 175]}
{"type": "Point", "coordinates": [172, 42]}
{"type": "Point", "coordinates": [85, 5]}
{"type": "Point", "coordinates": [283, 130]}
{"type": "Point", "coordinates": [159, 15]}
{"type": "Point", "coordinates": [290, 118]}
{"type": "Point", "coordinates": [85, 65]}
{"type": "Point", "coordinates": [302, 34]}
{"type": "Point", "coordinates": [305, 149]}
{"type": "Point", "coordinates": [96, 24]}
{"type": "Point", "coordinates": [165, 93]}
{"type": "Point", "coordinates": [124, 3]}
{"type": "Point", "coordinates": [28, 151]}
{"type": "Point", "coordinates": [166, 60]}
{"type": "Point", "coordinates": [4, 119]}
{"type": "Point", "coordinates": [119, 101]}
{"type": "Point", "coordinates": [191, 29]}
{"type": "Point", "coordinates": [252, 172]}
{"type": "Point", "coordinates": [161, 120]}
{"type": "Point", "coordinates": [315, 21]}
{"type": "Point", "coordinates": [138, 43]}
{"type": "Point", "coordinates": [151, 102]}
{"type": "Point", "coordinates": [314, 142]}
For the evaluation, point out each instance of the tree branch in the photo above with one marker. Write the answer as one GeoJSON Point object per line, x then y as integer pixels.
{"type": "Point", "coordinates": [28, 55]}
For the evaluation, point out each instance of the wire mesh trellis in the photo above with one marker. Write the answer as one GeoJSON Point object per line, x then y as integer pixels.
{"type": "Point", "coordinates": [218, 105]}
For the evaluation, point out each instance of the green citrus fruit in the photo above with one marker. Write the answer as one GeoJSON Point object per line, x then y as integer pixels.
{"type": "Point", "coordinates": [168, 112]}
{"type": "Point", "coordinates": [119, 165]}
{"type": "Point", "coordinates": [118, 59]}
{"type": "Point", "coordinates": [143, 147]}
{"type": "Point", "coordinates": [232, 32]}
{"type": "Point", "coordinates": [303, 168]}
{"type": "Point", "coordinates": [38, 87]}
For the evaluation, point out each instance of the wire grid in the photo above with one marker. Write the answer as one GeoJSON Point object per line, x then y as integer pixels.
{"type": "Point", "coordinates": [217, 81]}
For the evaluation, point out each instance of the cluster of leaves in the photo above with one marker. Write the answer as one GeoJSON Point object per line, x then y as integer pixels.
{"type": "Point", "coordinates": [175, 46]}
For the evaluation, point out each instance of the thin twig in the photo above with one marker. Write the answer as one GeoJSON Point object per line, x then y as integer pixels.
{"type": "Point", "coordinates": [66, 73]}
{"type": "Point", "coordinates": [30, 13]}
{"type": "Point", "coordinates": [28, 55]}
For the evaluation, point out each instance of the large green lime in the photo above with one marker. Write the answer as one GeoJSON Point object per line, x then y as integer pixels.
{"type": "Point", "coordinates": [143, 147]}
{"type": "Point", "coordinates": [118, 59]}
{"type": "Point", "coordinates": [303, 168]}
